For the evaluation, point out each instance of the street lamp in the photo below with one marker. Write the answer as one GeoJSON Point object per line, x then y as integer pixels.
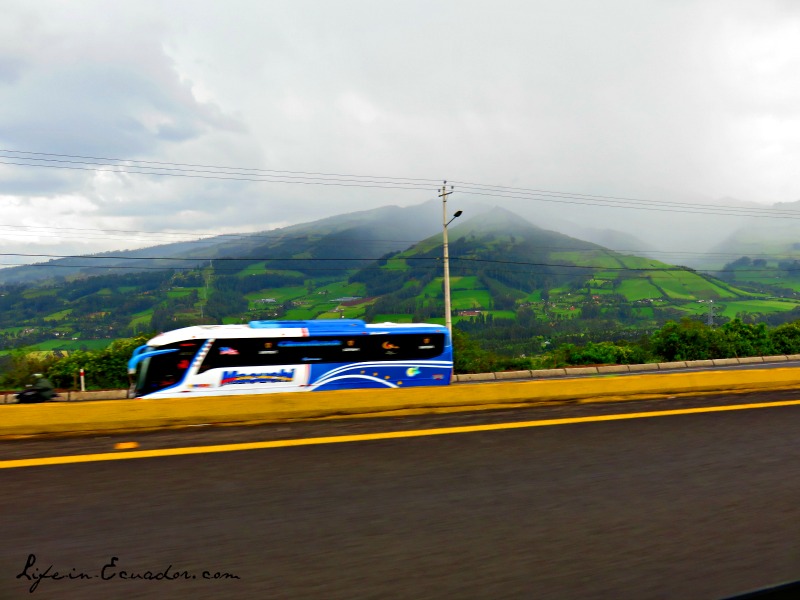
{"type": "Point", "coordinates": [447, 316]}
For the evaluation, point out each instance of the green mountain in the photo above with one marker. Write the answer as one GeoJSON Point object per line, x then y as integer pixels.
{"type": "Point", "coordinates": [364, 234]}
{"type": "Point", "coordinates": [508, 278]}
{"type": "Point", "coordinates": [500, 262]}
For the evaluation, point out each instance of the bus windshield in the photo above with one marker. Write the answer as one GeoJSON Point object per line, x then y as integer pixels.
{"type": "Point", "coordinates": [165, 369]}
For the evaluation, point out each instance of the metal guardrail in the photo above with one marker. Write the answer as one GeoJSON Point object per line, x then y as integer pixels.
{"type": "Point", "coordinates": [70, 396]}
{"type": "Point", "coordinates": [10, 397]}
{"type": "Point", "coordinates": [616, 369]}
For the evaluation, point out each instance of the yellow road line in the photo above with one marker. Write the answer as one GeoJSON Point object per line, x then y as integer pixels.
{"type": "Point", "coordinates": [86, 458]}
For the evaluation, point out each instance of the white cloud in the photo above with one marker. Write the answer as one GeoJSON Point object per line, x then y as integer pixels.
{"type": "Point", "coordinates": [691, 99]}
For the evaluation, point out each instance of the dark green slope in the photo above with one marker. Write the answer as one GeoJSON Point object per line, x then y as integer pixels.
{"type": "Point", "coordinates": [498, 245]}
{"type": "Point", "coordinates": [507, 262]}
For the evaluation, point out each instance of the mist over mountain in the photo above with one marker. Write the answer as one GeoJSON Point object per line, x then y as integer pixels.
{"type": "Point", "coordinates": [700, 235]}
{"type": "Point", "coordinates": [766, 237]}
{"type": "Point", "coordinates": [683, 230]}
{"type": "Point", "coordinates": [364, 234]}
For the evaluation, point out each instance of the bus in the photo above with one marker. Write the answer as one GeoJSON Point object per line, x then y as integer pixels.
{"type": "Point", "coordinates": [288, 356]}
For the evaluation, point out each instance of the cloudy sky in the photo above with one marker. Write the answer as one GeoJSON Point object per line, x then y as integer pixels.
{"type": "Point", "coordinates": [688, 101]}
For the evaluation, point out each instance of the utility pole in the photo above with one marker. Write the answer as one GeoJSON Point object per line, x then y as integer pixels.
{"type": "Point", "coordinates": [710, 321]}
{"type": "Point", "coordinates": [448, 320]}
{"type": "Point", "coordinates": [206, 277]}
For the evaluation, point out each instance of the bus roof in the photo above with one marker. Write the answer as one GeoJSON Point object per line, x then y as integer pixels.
{"type": "Point", "coordinates": [268, 329]}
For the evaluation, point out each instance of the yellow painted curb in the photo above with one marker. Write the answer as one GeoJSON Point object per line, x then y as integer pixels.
{"type": "Point", "coordinates": [104, 416]}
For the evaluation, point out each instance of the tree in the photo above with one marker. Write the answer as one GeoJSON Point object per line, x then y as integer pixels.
{"type": "Point", "coordinates": [106, 369]}
{"type": "Point", "coordinates": [687, 340]}
{"type": "Point", "coordinates": [786, 338]}
{"type": "Point", "coordinates": [746, 339]}
{"type": "Point", "coordinates": [22, 367]}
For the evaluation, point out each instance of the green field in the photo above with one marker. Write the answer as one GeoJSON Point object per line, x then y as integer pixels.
{"type": "Point", "coordinates": [58, 316]}
{"type": "Point", "coordinates": [638, 289]}
{"type": "Point", "coordinates": [465, 283]}
{"type": "Point", "coordinates": [731, 308]}
{"type": "Point", "coordinates": [533, 297]}
{"type": "Point", "coordinates": [12, 330]}
{"type": "Point", "coordinates": [758, 306]}
{"type": "Point", "coordinates": [397, 264]}
{"type": "Point", "coordinates": [501, 314]}
{"type": "Point", "coordinates": [353, 312]}
{"type": "Point", "coordinates": [254, 269]}
{"type": "Point", "coordinates": [791, 284]}
{"type": "Point", "coordinates": [301, 314]}
{"type": "Point", "coordinates": [598, 259]}
{"type": "Point", "coordinates": [685, 285]}
{"type": "Point", "coordinates": [280, 295]}
{"type": "Point", "coordinates": [70, 345]}
{"type": "Point", "coordinates": [434, 289]}
{"type": "Point", "coordinates": [469, 299]}
{"type": "Point", "coordinates": [39, 292]}
{"type": "Point", "coordinates": [639, 262]}
{"type": "Point", "coordinates": [339, 289]}
{"type": "Point", "coordinates": [675, 289]}
{"type": "Point", "coordinates": [141, 320]}
{"type": "Point", "coordinates": [602, 278]}
{"type": "Point", "coordinates": [180, 292]}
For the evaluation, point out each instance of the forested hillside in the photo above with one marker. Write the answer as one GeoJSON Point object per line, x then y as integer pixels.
{"type": "Point", "coordinates": [516, 289]}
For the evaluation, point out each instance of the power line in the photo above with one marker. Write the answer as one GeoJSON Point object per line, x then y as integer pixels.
{"type": "Point", "coordinates": [575, 195]}
{"type": "Point", "coordinates": [33, 230]}
{"type": "Point", "coordinates": [704, 209]}
{"type": "Point", "coordinates": [122, 160]}
{"type": "Point", "coordinates": [222, 176]}
{"type": "Point", "coordinates": [345, 180]}
{"type": "Point", "coordinates": [195, 268]}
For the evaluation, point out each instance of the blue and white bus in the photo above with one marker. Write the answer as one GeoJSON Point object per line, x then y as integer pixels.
{"type": "Point", "coordinates": [286, 356]}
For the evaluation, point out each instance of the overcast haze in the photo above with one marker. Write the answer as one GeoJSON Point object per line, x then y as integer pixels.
{"type": "Point", "coordinates": [667, 101]}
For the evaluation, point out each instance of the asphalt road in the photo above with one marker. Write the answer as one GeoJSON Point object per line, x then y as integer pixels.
{"type": "Point", "coordinates": [690, 506]}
